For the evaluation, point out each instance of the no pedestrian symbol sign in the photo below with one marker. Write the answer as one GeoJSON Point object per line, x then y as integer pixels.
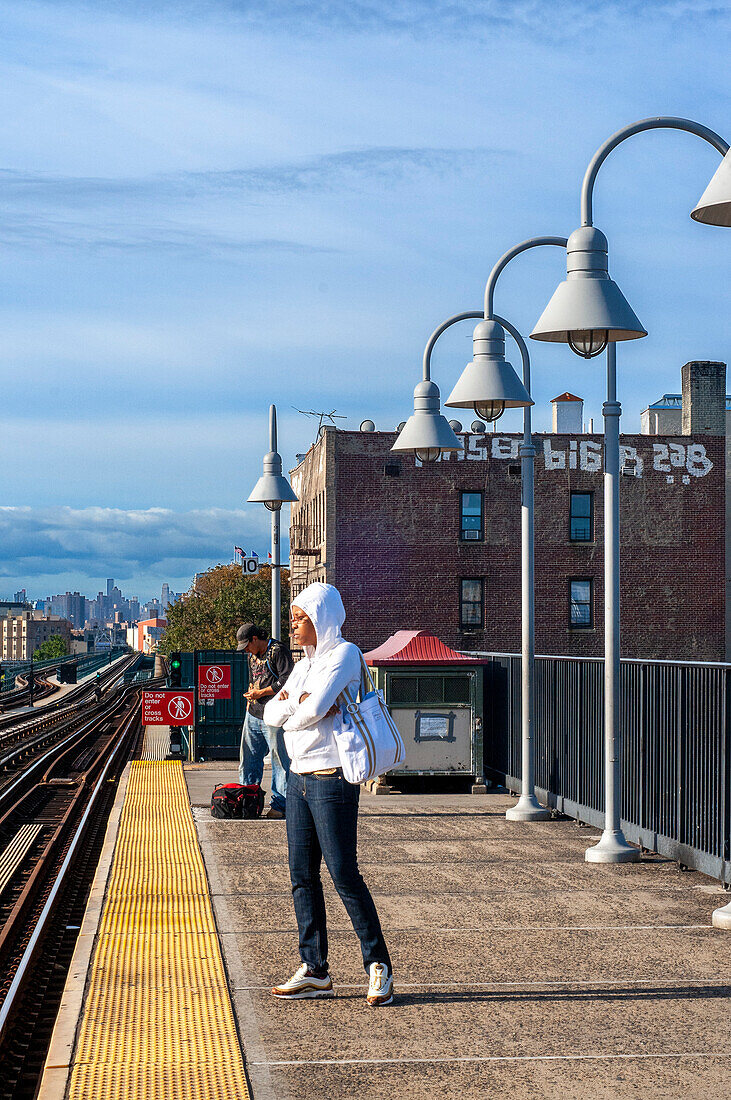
{"type": "Point", "coordinates": [214, 682]}
{"type": "Point", "coordinates": [168, 708]}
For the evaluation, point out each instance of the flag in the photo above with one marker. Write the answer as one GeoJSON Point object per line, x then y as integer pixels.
{"type": "Point", "coordinates": [238, 550]}
{"type": "Point", "coordinates": [254, 554]}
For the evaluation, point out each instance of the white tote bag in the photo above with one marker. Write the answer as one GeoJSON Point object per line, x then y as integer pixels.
{"type": "Point", "coordinates": [368, 740]}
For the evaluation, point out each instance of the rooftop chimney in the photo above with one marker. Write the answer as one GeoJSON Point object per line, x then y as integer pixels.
{"type": "Point", "coordinates": [568, 414]}
{"type": "Point", "coordinates": [704, 398]}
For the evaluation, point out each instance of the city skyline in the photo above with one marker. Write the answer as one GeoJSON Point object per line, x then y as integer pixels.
{"type": "Point", "coordinates": [166, 596]}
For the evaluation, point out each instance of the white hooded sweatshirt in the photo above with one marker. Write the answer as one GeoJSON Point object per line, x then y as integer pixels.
{"type": "Point", "coordinates": [324, 672]}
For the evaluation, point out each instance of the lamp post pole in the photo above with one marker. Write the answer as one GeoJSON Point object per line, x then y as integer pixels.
{"type": "Point", "coordinates": [276, 560]}
{"type": "Point", "coordinates": [590, 313]}
{"type": "Point", "coordinates": [613, 846]}
{"type": "Point", "coordinates": [527, 807]}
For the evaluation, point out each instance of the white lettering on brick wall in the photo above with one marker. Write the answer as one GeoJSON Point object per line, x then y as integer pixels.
{"type": "Point", "coordinates": [590, 456]}
{"type": "Point", "coordinates": [503, 447]}
{"type": "Point", "coordinates": [554, 460]}
{"type": "Point", "coordinates": [474, 450]}
{"type": "Point", "coordinates": [692, 458]}
{"type": "Point", "coordinates": [630, 461]}
{"type": "Point", "coordinates": [586, 455]}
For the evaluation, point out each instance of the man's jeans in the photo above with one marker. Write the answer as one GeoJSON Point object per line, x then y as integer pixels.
{"type": "Point", "coordinates": [322, 822]}
{"type": "Point", "coordinates": [257, 739]}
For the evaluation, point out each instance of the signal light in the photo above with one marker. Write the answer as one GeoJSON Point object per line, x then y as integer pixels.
{"type": "Point", "coordinates": [176, 670]}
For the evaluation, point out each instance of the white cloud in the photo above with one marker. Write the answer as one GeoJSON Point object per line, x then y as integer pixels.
{"type": "Point", "coordinates": [138, 547]}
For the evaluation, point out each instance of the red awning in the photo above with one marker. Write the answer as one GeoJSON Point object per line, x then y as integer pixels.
{"type": "Point", "coordinates": [417, 647]}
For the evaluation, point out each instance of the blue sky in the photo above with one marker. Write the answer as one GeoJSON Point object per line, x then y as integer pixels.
{"type": "Point", "coordinates": [210, 206]}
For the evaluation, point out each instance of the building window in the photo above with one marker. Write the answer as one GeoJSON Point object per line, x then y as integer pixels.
{"type": "Point", "coordinates": [471, 517]}
{"type": "Point", "coordinates": [582, 517]}
{"type": "Point", "coordinates": [470, 602]}
{"type": "Point", "coordinates": [581, 602]}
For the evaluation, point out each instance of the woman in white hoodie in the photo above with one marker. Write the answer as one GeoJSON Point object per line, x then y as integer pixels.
{"type": "Point", "coordinates": [322, 808]}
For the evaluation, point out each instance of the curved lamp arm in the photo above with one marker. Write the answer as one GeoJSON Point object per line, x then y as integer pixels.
{"type": "Point", "coordinates": [438, 332]}
{"type": "Point", "coordinates": [660, 123]}
{"type": "Point", "coordinates": [532, 242]}
{"type": "Point", "coordinates": [523, 349]}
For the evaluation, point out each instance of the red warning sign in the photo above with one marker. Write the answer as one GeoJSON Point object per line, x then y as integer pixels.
{"type": "Point", "coordinates": [168, 708]}
{"type": "Point", "coordinates": [214, 682]}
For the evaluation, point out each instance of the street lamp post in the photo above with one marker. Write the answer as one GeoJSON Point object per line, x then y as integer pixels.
{"type": "Point", "coordinates": [489, 385]}
{"type": "Point", "coordinates": [527, 808]}
{"type": "Point", "coordinates": [273, 490]}
{"type": "Point", "coordinates": [589, 312]}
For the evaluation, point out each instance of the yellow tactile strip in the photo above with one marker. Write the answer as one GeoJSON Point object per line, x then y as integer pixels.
{"type": "Point", "coordinates": [158, 1020]}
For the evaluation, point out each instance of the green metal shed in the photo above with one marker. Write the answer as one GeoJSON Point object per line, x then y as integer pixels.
{"type": "Point", "coordinates": [435, 696]}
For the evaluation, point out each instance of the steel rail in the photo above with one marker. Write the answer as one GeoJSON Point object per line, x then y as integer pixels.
{"type": "Point", "coordinates": [29, 953]}
{"type": "Point", "coordinates": [13, 725]}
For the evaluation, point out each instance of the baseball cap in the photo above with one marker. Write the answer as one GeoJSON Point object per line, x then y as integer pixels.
{"type": "Point", "coordinates": [244, 635]}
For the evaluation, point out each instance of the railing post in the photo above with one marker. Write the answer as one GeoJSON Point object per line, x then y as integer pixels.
{"type": "Point", "coordinates": [722, 917]}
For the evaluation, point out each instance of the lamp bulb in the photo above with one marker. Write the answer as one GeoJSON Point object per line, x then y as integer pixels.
{"type": "Point", "coordinates": [428, 454]}
{"type": "Point", "coordinates": [588, 342]}
{"type": "Point", "coordinates": [489, 410]}
{"type": "Point", "coordinates": [273, 505]}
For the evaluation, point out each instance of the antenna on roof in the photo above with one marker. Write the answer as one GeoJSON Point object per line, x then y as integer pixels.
{"type": "Point", "coordinates": [322, 417]}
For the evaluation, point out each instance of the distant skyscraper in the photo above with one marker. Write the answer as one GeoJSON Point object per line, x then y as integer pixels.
{"type": "Point", "coordinates": [71, 606]}
{"type": "Point", "coordinates": [165, 597]}
{"type": "Point", "coordinates": [110, 585]}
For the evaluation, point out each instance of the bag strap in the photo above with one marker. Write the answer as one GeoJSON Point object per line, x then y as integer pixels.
{"type": "Point", "coordinates": [365, 678]}
{"type": "Point", "coordinates": [344, 697]}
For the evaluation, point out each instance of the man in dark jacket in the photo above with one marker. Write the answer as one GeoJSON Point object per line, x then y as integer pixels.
{"type": "Point", "coordinates": [270, 663]}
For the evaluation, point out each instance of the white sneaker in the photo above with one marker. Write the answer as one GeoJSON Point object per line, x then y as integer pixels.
{"type": "Point", "coordinates": [304, 983]}
{"type": "Point", "coordinates": [380, 986]}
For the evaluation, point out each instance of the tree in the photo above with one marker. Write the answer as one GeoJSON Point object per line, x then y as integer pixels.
{"type": "Point", "coordinates": [55, 646]}
{"type": "Point", "coordinates": [209, 615]}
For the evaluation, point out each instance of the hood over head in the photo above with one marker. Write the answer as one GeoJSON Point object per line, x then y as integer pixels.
{"type": "Point", "coordinates": [323, 605]}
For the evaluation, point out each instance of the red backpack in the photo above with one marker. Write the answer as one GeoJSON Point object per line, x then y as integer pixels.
{"type": "Point", "coordinates": [235, 800]}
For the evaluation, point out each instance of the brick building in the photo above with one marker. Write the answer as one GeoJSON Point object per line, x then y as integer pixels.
{"type": "Point", "coordinates": [21, 635]}
{"type": "Point", "coordinates": [437, 547]}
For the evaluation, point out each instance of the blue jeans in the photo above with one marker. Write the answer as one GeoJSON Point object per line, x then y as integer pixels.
{"type": "Point", "coordinates": [257, 739]}
{"type": "Point", "coordinates": [322, 822]}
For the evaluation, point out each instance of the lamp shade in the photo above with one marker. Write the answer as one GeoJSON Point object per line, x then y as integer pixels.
{"type": "Point", "coordinates": [588, 308]}
{"type": "Point", "coordinates": [489, 379]}
{"type": "Point", "coordinates": [426, 430]}
{"type": "Point", "coordinates": [272, 487]}
{"type": "Point", "coordinates": [714, 207]}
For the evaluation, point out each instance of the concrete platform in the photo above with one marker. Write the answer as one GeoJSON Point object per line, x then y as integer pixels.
{"type": "Point", "coordinates": [521, 970]}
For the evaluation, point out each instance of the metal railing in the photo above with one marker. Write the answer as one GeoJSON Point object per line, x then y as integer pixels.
{"type": "Point", "coordinates": [85, 663]}
{"type": "Point", "coordinates": [675, 748]}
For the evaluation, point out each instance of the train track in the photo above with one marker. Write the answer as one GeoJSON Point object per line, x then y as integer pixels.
{"type": "Point", "coordinates": [45, 725]}
{"type": "Point", "coordinates": [20, 696]}
{"type": "Point", "coordinates": [53, 812]}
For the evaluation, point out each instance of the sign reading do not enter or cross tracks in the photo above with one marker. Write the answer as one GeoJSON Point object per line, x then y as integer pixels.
{"type": "Point", "coordinates": [168, 708]}
{"type": "Point", "coordinates": [214, 682]}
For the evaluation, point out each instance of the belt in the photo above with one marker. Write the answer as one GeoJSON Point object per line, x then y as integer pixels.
{"type": "Point", "coordinates": [325, 772]}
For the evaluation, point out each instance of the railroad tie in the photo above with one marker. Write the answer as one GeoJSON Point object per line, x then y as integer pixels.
{"type": "Point", "coordinates": [13, 855]}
